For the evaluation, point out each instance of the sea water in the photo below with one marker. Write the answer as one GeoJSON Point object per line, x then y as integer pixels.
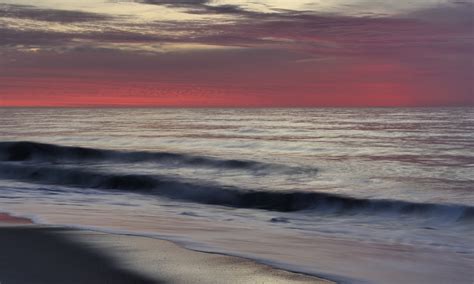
{"type": "Point", "coordinates": [358, 195]}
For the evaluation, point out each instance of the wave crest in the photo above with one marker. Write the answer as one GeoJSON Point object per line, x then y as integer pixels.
{"type": "Point", "coordinates": [32, 151]}
{"type": "Point", "coordinates": [284, 201]}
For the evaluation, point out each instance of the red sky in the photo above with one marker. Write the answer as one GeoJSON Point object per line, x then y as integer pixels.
{"type": "Point", "coordinates": [236, 53]}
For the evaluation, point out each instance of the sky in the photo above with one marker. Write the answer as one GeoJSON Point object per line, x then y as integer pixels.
{"type": "Point", "coordinates": [236, 53]}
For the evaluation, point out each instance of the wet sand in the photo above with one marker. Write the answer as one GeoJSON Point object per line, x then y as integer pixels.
{"type": "Point", "coordinates": [45, 254]}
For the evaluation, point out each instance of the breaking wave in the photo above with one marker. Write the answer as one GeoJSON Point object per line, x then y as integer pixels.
{"type": "Point", "coordinates": [283, 201]}
{"type": "Point", "coordinates": [42, 152]}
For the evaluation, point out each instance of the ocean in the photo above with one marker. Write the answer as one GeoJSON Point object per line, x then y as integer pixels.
{"type": "Point", "coordinates": [376, 195]}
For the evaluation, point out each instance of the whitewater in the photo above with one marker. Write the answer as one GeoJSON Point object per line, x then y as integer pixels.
{"type": "Point", "coordinates": [300, 189]}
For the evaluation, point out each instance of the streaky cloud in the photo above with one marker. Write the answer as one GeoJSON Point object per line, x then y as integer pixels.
{"type": "Point", "coordinates": [49, 15]}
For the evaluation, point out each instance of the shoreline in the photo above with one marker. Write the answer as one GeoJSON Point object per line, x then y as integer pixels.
{"type": "Point", "coordinates": [54, 254]}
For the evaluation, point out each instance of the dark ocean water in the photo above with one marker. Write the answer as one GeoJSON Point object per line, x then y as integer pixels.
{"type": "Point", "coordinates": [244, 181]}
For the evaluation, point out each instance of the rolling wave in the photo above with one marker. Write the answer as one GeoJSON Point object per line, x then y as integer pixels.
{"type": "Point", "coordinates": [41, 152]}
{"type": "Point", "coordinates": [283, 201]}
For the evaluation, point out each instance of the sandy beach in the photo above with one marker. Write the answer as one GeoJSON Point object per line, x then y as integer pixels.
{"type": "Point", "coordinates": [46, 254]}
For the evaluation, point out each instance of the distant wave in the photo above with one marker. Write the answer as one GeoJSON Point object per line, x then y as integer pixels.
{"type": "Point", "coordinates": [284, 201]}
{"type": "Point", "coordinates": [41, 152]}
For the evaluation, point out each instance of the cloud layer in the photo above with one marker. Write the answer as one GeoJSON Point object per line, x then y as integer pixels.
{"type": "Point", "coordinates": [236, 53]}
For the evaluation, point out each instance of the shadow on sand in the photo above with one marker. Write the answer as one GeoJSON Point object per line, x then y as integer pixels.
{"type": "Point", "coordinates": [44, 255]}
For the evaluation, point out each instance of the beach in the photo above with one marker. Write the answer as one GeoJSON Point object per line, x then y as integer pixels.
{"type": "Point", "coordinates": [50, 254]}
{"type": "Point", "coordinates": [236, 141]}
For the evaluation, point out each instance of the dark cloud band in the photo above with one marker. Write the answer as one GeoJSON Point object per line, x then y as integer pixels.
{"type": "Point", "coordinates": [49, 15]}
